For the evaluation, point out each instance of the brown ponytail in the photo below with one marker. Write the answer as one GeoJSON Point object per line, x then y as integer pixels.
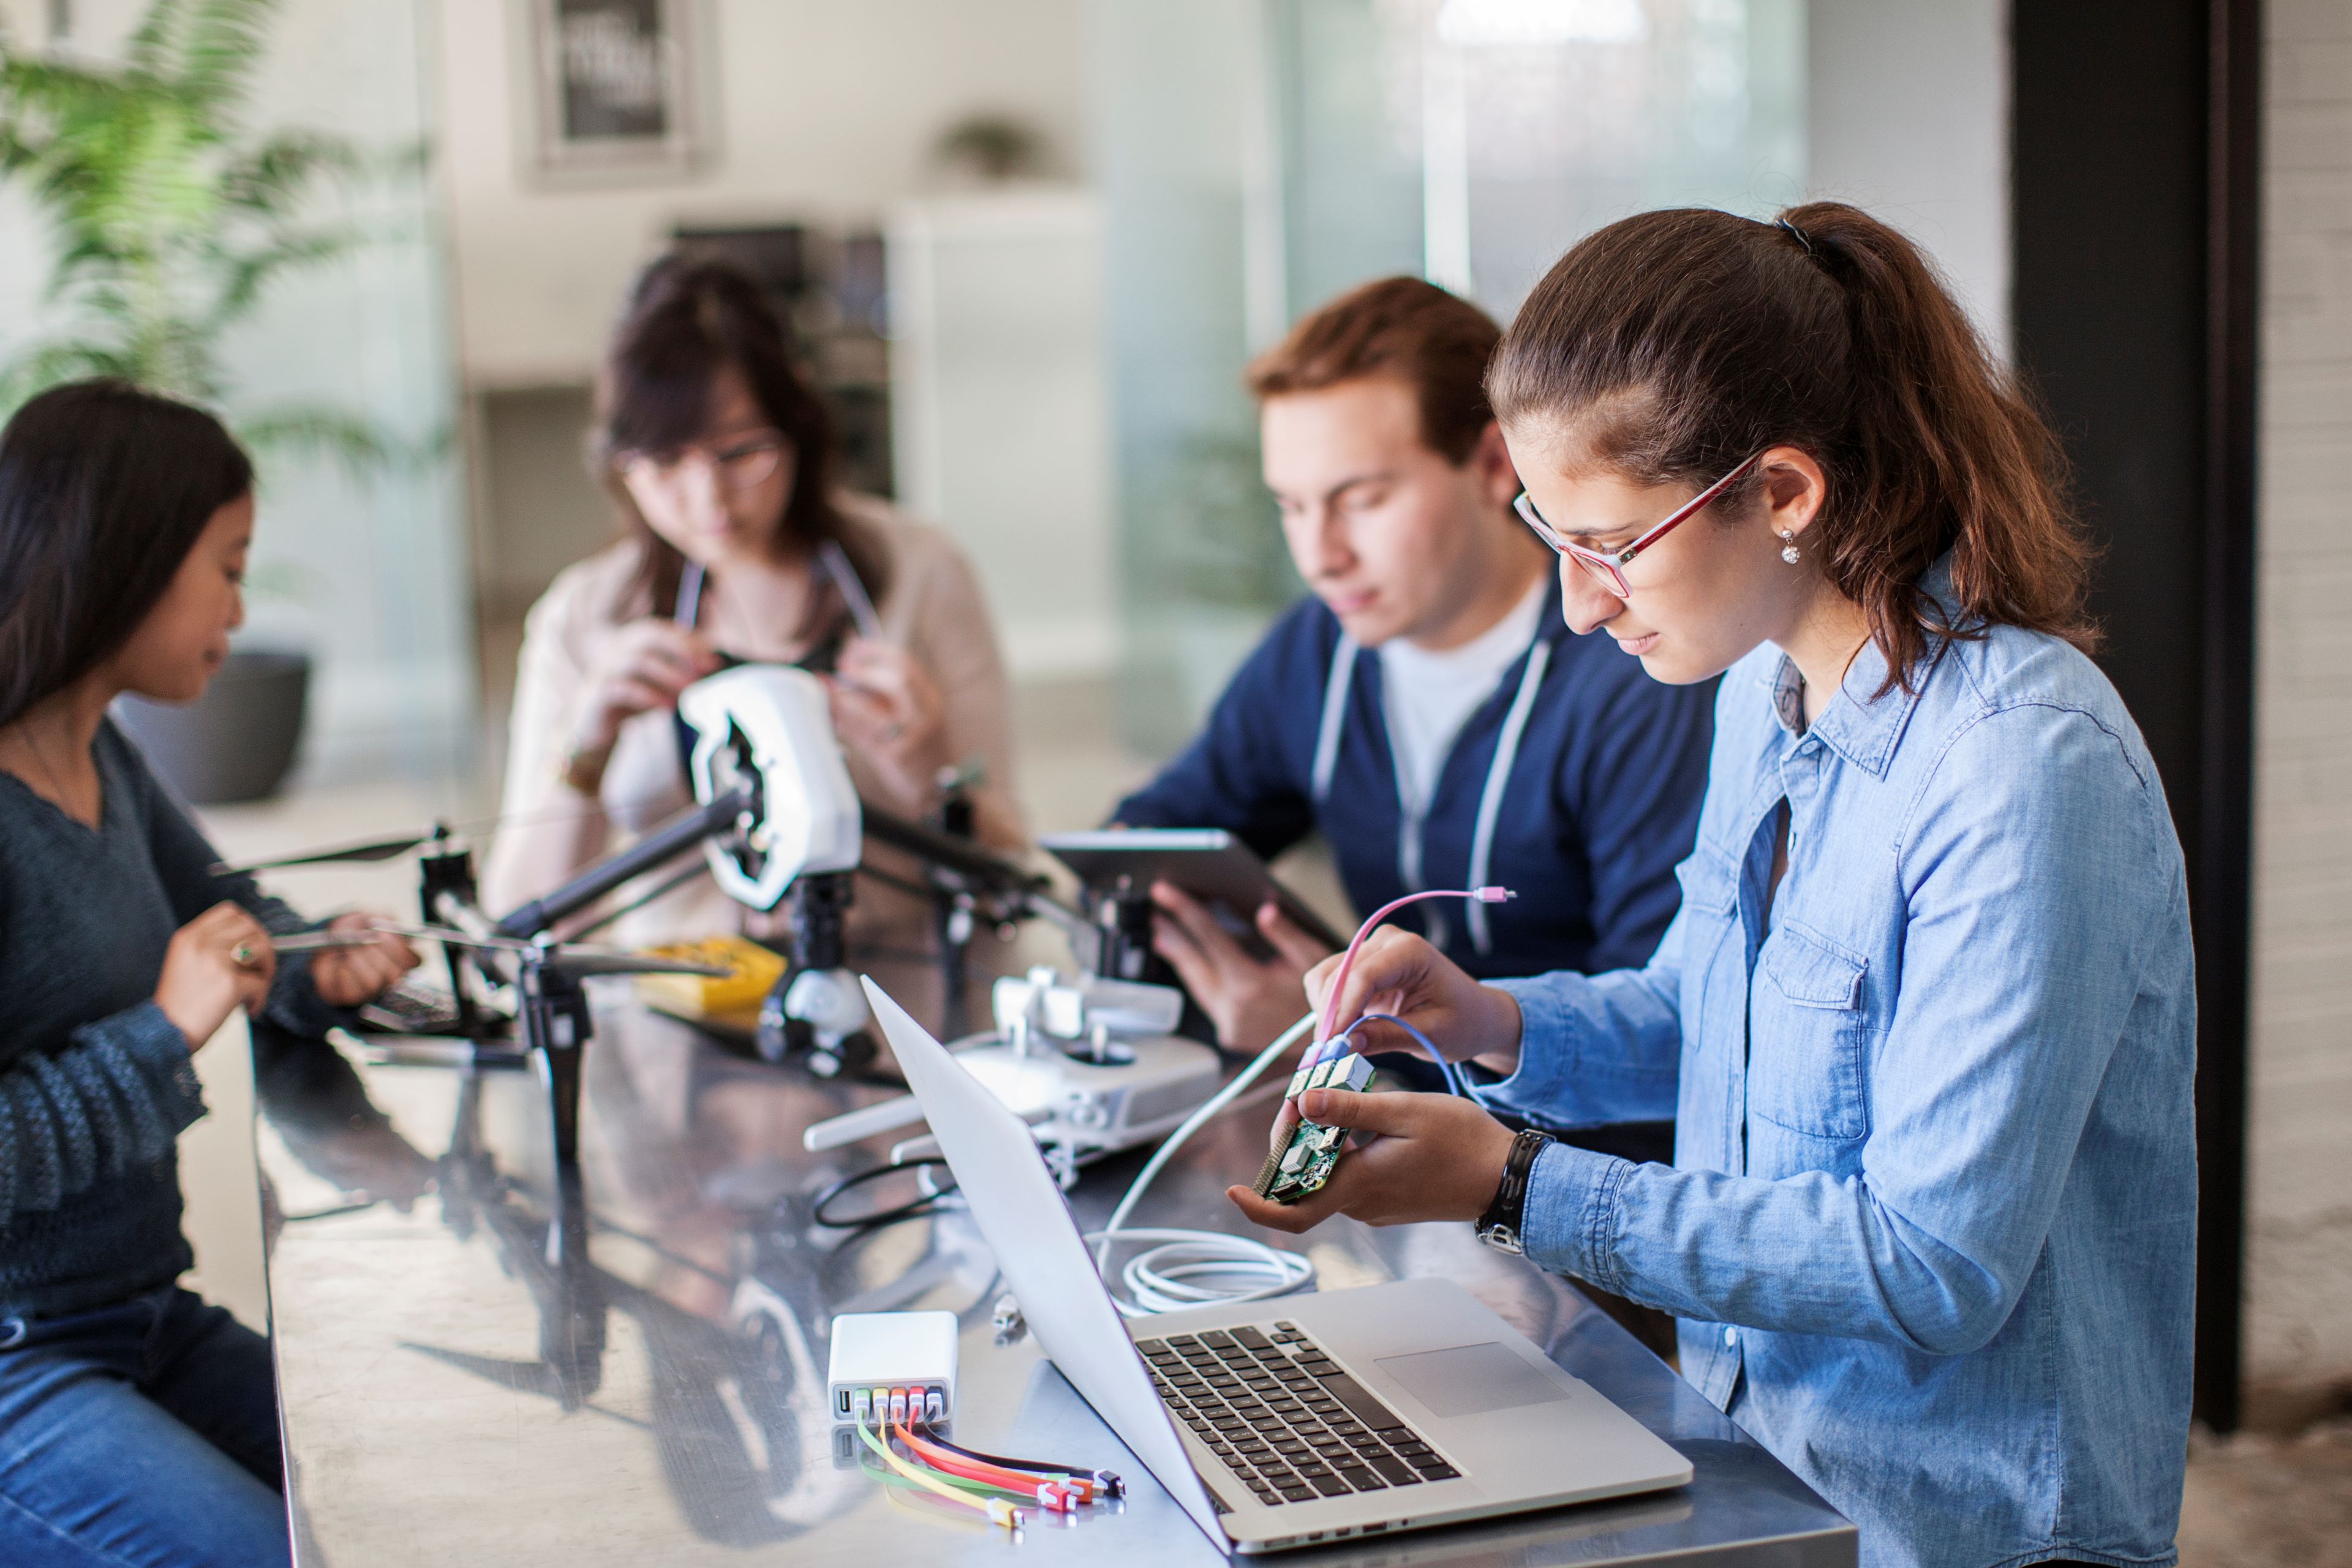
{"type": "Point", "coordinates": [1675, 344]}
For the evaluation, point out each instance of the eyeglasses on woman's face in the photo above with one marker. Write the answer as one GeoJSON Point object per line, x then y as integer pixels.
{"type": "Point", "coordinates": [738, 463]}
{"type": "Point", "coordinates": [1603, 565]}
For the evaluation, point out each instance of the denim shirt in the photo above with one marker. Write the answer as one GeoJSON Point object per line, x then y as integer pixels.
{"type": "Point", "coordinates": [1931, 1222]}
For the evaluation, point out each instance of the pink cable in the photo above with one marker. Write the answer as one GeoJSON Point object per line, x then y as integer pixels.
{"type": "Point", "coordinates": [1340, 981]}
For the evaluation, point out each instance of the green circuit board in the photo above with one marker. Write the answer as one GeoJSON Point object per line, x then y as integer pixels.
{"type": "Point", "coordinates": [1304, 1161]}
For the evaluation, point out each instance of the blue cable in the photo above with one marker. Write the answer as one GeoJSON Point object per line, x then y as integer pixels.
{"type": "Point", "coordinates": [1454, 1080]}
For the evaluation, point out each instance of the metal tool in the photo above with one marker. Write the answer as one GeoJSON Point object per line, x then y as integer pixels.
{"type": "Point", "coordinates": [318, 941]}
{"type": "Point", "coordinates": [853, 592]}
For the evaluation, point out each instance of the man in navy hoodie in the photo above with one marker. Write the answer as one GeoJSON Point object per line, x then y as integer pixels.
{"type": "Point", "coordinates": [1426, 707]}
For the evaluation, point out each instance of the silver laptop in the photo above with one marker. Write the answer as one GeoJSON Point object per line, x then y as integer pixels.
{"type": "Point", "coordinates": [1283, 1423]}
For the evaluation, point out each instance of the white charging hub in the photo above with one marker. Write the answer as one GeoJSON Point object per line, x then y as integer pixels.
{"type": "Point", "coordinates": [906, 1360]}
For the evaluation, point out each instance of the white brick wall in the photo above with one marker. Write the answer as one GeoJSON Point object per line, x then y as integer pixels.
{"type": "Point", "coordinates": [2299, 1329]}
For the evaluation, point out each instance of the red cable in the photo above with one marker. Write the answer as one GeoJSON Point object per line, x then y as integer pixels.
{"type": "Point", "coordinates": [1049, 1493]}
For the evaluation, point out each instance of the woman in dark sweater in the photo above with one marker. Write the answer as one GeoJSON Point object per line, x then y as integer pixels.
{"type": "Point", "coordinates": [137, 1424]}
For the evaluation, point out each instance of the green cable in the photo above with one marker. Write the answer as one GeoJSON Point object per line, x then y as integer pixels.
{"type": "Point", "coordinates": [932, 1481]}
{"type": "Point", "coordinates": [962, 1483]}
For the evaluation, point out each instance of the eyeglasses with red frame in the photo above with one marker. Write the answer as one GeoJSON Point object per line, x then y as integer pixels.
{"type": "Point", "coordinates": [1603, 563]}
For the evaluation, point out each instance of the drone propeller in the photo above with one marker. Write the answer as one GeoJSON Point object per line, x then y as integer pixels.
{"type": "Point", "coordinates": [574, 958]}
{"type": "Point", "coordinates": [580, 959]}
{"type": "Point", "coordinates": [452, 935]}
{"type": "Point", "coordinates": [373, 850]}
{"type": "Point", "coordinates": [368, 852]}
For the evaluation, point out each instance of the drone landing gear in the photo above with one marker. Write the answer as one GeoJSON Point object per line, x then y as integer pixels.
{"type": "Point", "coordinates": [557, 1020]}
{"type": "Point", "coordinates": [816, 1014]}
{"type": "Point", "coordinates": [556, 1024]}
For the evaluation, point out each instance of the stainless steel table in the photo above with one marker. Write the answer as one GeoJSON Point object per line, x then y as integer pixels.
{"type": "Point", "coordinates": [463, 1384]}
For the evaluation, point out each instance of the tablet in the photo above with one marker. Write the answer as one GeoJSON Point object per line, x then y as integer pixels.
{"type": "Point", "coordinates": [1209, 863]}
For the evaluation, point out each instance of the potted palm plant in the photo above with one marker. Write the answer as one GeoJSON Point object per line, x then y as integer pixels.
{"type": "Point", "coordinates": [170, 220]}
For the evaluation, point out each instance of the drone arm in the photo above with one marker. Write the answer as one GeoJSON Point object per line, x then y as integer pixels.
{"type": "Point", "coordinates": [673, 838]}
{"type": "Point", "coordinates": [979, 871]}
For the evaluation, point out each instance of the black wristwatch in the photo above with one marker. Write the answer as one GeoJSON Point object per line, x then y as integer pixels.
{"type": "Point", "coordinates": [1504, 1224]}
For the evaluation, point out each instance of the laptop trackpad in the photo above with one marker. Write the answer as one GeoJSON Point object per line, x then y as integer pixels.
{"type": "Point", "coordinates": [1471, 1379]}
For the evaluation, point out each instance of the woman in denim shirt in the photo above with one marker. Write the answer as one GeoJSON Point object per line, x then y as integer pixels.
{"type": "Point", "coordinates": [1927, 1018]}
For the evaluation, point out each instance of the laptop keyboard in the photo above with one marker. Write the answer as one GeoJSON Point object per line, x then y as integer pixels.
{"type": "Point", "coordinates": [1283, 1418]}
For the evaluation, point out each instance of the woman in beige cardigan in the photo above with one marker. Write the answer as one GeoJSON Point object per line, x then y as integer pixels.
{"type": "Point", "coordinates": [719, 455]}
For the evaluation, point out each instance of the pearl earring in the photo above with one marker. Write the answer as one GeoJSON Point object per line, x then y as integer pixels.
{"type": "Point", "coordinates": [1788, 546]}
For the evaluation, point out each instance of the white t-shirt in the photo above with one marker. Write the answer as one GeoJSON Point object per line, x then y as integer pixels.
{"type": "Point", "coordinates": [1427, 697]}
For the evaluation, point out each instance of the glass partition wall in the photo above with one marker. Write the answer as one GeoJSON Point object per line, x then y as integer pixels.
{"type": "Point", "coordinates": [1258, 156]}
{"type": "Point", "coordinates": [360, 562]}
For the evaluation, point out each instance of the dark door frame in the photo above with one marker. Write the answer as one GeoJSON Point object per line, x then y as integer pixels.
{"type": "Point", "coordinates": [2137, 189]}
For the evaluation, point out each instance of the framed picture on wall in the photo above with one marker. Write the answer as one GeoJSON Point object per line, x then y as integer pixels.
{"type": "Point", "coordinates": [614, 86]}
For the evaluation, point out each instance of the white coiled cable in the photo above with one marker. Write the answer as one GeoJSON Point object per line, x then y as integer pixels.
{"type": "Point", "coordinates": [1200, 1268]}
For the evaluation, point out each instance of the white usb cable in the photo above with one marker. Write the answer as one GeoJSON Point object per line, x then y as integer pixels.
{"type": "Point", "coordinates": [1200, 1268]}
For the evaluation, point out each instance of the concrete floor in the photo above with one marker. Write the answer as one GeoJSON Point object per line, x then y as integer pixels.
{"type": "Point", "coordinates": [2258, 1500]}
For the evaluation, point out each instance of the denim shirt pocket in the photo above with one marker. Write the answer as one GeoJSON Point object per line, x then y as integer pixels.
{"type": "Point", "coordinates": [1805, 1036]}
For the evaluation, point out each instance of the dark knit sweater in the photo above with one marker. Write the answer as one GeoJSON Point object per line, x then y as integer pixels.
{"type": "Point", "coordinates": [96, 1083]}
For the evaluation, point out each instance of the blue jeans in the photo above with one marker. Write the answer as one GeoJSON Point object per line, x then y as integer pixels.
{"type": "Point", "coordinates": [139, 1435]}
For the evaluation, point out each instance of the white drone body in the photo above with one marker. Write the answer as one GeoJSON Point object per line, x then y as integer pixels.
{"type": "Point", "coordinates": [772, 723]}
{"type": "Point", "coordinates": [1091, 1064]}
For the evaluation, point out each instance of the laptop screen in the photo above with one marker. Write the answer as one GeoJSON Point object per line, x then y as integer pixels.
{"type": "Point", "coordinates": [1043, 1255]}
